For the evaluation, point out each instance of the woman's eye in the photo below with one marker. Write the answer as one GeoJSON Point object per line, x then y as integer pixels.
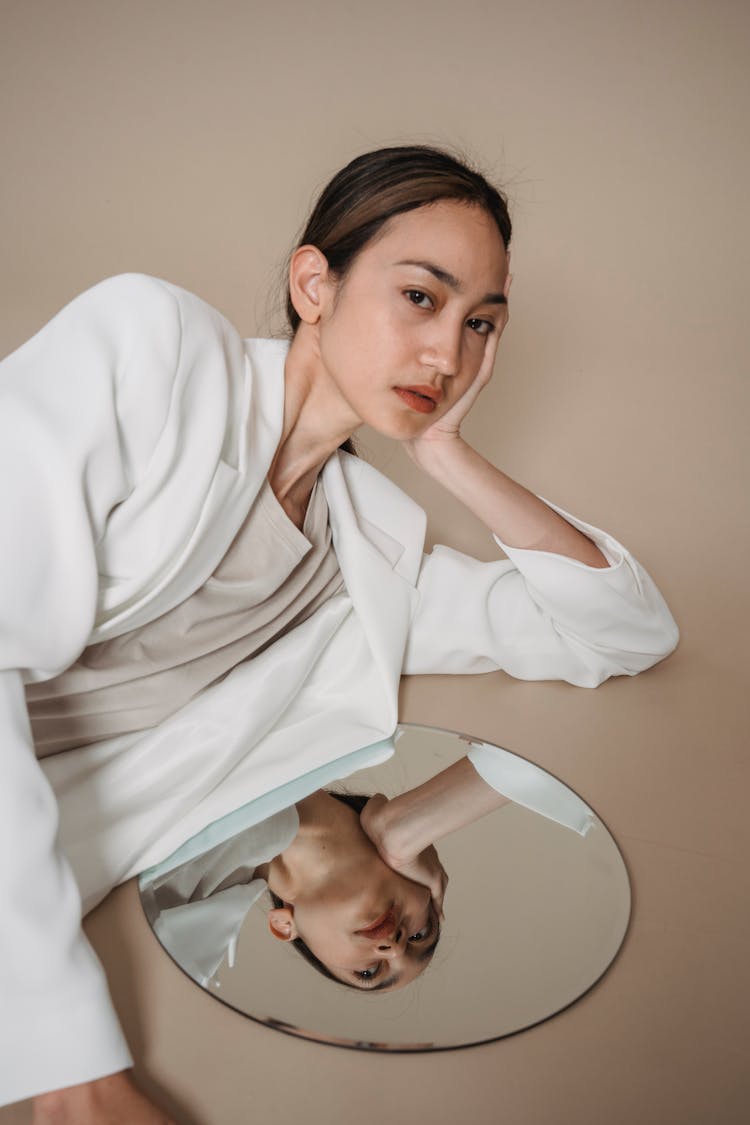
{"type": "Point", "coordinates": [366, 974]}
{"type": "Point", "coordinates": [420, 935]}
{"type": "Point", "coordinates": [418, 298]}
{"type": "Point", "coordinates": [482, 327]}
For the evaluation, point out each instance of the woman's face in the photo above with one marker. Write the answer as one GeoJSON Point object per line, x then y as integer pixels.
{"type": "Point", "coordinates": [417, 309]}
{"type": "Point", "coordinates": [371, 927]}
{"type": "Point", "coordinates": [381, 937]}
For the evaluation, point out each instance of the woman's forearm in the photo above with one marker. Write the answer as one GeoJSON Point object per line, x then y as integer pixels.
{"type": "Point", "coordinates": [510, 511]}
{"type": "Point", "coordinates": [455, 797]}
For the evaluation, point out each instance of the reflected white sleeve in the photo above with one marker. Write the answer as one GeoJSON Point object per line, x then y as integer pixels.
{"type": "Point", "coordinates": [529, 785]}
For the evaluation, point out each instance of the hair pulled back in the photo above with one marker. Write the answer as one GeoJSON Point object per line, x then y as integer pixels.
{"type": "Point", "coordinates": [372, 188]}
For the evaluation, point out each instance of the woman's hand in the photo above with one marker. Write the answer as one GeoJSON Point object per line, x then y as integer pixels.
{"type": "Point", "coordinates": [427, 870]}
{"type": "Point", "coordinates": [516, 516]}
{"type": "Point", "coordinates": [404, 829]}
{"type": "Point", "coordinates": [114, 1100]}
{"type": "Point", "coordinates": [448, 426]}
{"type": "Point", "coordinates": [387, 835]}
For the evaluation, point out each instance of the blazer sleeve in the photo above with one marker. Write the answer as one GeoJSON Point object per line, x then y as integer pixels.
{"type": "Point", "coordinates": [82, 405]}
{"type": "Point", "coordinates": [539, 616]}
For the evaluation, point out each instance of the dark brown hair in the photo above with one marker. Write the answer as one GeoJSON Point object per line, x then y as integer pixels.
{"type": "Point", "coordinates": [372, 188]}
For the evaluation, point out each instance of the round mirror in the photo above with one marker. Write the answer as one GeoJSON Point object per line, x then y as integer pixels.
{"type": "Point", "coordinates": [536, 908]}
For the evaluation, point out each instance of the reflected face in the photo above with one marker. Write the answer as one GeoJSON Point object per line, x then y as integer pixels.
{"type": "Point", "coordinates": [403, 336]}
{"type": "Point", "coordinates": [379, 936]}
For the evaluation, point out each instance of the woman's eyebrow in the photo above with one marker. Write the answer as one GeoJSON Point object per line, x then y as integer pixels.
{"type": "Point", "coordinates": [452, 282]}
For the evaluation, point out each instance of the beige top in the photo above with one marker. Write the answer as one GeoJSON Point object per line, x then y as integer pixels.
{"type": "Point", "coordinates": [272, 578]}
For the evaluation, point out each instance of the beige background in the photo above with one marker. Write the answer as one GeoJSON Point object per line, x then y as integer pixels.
{"type": "Point", "coordinates": [187, 139]}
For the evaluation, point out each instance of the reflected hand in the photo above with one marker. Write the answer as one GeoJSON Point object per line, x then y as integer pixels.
{"type": "Point", "coordinates": [423, 867]}
{"type": "Point", "coordinates": [114, 1100]}
{"type": "Point", "coordinates": [426, 869]}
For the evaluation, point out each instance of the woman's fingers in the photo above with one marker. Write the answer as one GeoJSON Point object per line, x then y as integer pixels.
{"type": "Point", "coordinates": [424, 868]}
{"type": "Point", "coordinates": [484, 374]}
{"type": "Point", "coordinates": [438, 895]}
{"type": "Point", "coordinates": [490, 351]}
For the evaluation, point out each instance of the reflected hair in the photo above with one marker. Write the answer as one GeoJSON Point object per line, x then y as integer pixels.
{"type": "Point", "coordinates": [356, 204]}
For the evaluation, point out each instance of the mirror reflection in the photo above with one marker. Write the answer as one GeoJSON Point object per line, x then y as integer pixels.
{"type": "Point", "coordinates": [473, 893]}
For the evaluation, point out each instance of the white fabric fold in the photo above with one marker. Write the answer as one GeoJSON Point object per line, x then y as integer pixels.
{"type": "Point", "coordinates": [198, 935]}
{"type": "Point", "coordinates": [197, 905]}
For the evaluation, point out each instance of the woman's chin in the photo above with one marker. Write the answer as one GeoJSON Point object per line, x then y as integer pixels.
{"type": "Point", "coordinates": [401, 427]}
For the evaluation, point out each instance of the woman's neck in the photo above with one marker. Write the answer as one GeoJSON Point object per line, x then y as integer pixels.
{"type": "Point", "coordinates": [325, 824]}
{"type": "Point", "coordinates": [317, 420]}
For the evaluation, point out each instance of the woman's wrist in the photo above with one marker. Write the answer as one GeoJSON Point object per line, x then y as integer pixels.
{"type": "Point", "coordinates": [393, 831]}
{"type": "Point", "coordinates": [439, 456]}
{"type": "Point", "coordinates": [511, 512]}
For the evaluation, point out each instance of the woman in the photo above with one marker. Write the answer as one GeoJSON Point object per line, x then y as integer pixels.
{"type": "Point", "coordinates": [153, 460]}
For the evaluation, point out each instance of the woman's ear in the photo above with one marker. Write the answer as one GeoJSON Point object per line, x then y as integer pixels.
{"type": "Point", "coordinates": [308, 279]}
{"type": "Point", "coordinates": [281, 923]}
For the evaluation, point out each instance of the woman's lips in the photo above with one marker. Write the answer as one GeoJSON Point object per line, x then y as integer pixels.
{"type": "Point", "coordinates": [382, 927]}
{"type": "Point", "coordinates": [417, 400]}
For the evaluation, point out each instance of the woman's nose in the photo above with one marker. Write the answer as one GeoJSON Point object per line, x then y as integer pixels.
{"type": "Point", "coordinates": [443, 351]}
{"type": "Point", "coordinates": [391, 947]}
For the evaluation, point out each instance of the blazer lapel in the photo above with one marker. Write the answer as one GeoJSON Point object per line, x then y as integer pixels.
{"type": "Point", "coordinates": [383, 599]}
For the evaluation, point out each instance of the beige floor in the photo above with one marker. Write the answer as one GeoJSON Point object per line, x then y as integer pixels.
{"type": "Point", "coordinates": [185, 139]}
{"type": "Point", "coordinates": [664, 1036]}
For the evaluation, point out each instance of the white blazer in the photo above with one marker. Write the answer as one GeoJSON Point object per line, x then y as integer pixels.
{"type": "Point", "coordinates": [135, 431]}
